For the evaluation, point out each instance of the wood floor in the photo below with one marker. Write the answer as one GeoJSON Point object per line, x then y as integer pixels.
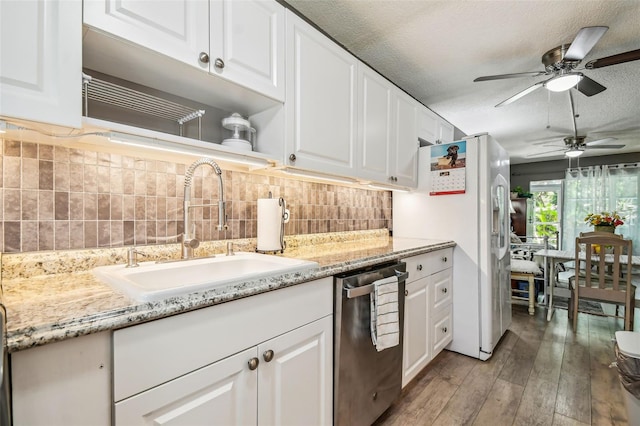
{"type": "Point", "coordinates": [540, 374]}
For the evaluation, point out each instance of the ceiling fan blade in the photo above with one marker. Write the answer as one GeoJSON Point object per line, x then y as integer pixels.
{"type": "Point", "coordinates": [557, 146]}
{"type": "Point", "coordinates": [600, 141]}
{"type": "Point", "coordinates": [620, 58]}
{"type": "Point", "coordinates": [589, 87]}
{"type": "Point", "coordinates": [515, 75]}
{"type": "Point", "coordinates": [605, 146]}
{"type": "Point", "coordinates": [537, 154]}
{"type": "Point", "coordinates": [586, 38]}
{"type": "Point", "coordinates": [521, 94]}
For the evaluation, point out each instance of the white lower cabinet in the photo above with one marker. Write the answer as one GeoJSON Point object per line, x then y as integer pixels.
{"type": "Point", "coordinates": [245, 388]}
{"type": "Point", "coordinates": [63, 383]}
{"type": "Point", "coordinates": [417, 344]}
{"type": "Point", "coordinates": [427, 310]}
{"type": "Point", "coordinates": [265, 359]}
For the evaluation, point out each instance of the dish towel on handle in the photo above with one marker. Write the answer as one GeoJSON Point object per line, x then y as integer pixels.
{"type": "Point", "coordinates": [385, 322]}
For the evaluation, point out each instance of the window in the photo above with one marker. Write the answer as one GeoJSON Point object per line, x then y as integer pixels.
{"type": "Point", "coordinates": [546, 214]}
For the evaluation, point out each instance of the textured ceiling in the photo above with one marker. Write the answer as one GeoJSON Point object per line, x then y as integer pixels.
{"type": "Point", "coordinates": [434, 50]}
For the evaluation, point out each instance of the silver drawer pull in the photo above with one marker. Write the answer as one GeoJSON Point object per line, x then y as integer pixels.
{"type": "Point", "coordinates": [419, 268]}
{"type": "Point", "coordinates": [444, 290]}
{"type": "Point", "coordinates": [444, 329]}
{"type": "Point", "coordinates": [444, 259]}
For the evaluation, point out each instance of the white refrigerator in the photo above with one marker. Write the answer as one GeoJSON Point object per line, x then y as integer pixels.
{"type": "Point", "coordinates": [467, 202]}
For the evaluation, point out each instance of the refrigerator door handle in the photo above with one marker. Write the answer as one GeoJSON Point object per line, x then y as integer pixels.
{"type": "Point", "coordinates": [500, 217]}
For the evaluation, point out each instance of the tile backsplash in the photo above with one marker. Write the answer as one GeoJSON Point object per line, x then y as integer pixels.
{"type": "Point", "coordinates": [57, 198]}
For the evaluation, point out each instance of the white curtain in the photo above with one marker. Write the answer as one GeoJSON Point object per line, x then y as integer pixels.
{"type": "Point", "coordinates": [601, 188]}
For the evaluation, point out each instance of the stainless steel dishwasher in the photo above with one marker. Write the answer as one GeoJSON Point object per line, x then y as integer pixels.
{"type": "Point", "coordinates": [366, 381]}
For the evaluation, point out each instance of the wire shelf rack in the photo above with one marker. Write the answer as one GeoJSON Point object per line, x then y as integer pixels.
{"type": "Point", "coordinates": [123, 97]}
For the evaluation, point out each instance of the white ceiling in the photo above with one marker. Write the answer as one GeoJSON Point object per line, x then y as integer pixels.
{"type": "Point", "coordinates": [435, 49]}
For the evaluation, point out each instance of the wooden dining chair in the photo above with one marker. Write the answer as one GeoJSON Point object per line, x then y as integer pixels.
{"type": "Point", "coordinates": [602, 276]}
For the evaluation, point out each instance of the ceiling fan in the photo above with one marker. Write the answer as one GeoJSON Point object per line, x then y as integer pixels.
{"type": "Point", "coordinates": [561, 64]}
{"type": "Point", "coordinates": [574, 146]}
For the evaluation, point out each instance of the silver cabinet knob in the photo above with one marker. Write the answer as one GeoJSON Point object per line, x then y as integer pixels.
{"type": "Point", "coordinates": [253, 363]}
{"type": "Point", "coordinates": [203, 57]}
{"type": "Point", "coordinates": [444, 290]}
{"type": "Point", "coordinates": [419, 268]}
{"type": "Point", "coordinates": [218, 63]}
{"type": "Point", "coordinates": [268, 355]}
{"type": "Point", "coordinates": [444, 259]}
{"type": "Point", "coordinates": [444, 329]}
{"type": "Point", "coordinates": [292, 158]}
{"type": "Point", "coordinates": [406, 292]}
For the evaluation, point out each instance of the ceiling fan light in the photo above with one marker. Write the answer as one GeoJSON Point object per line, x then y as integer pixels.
{"type": "Point", "coordinates": [563, 82]}
{"type": "Point", "coordinates": [574, 152]}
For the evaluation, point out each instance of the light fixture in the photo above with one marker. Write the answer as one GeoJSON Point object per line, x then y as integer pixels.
{"type": "Point", "coordinates": [382, 187]}
{"type": "Point", "coordinates": [563, 82]}
{"type": "Point", "coordinates": [319, 176]}
{"type": "Point", "coordinates": [574, 152]}
{"type": "Point", "coordinates": [174, 147]}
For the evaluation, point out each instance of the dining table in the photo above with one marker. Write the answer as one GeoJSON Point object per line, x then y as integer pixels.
{"type": "Point", "coordinates": [553, 258]}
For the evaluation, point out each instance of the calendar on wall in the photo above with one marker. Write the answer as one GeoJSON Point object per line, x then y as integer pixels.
{"type": "Point", "coordinates": [448, 163]}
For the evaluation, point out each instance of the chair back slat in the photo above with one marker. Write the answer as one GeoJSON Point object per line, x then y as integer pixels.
{"type": "Point", "coordinates": [603, 263]}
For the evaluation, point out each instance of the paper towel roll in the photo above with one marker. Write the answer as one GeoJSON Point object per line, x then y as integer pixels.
{"type": "Point", "coordinates": [269, 224]}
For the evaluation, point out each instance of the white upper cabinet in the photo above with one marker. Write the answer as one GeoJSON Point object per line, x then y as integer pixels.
{"type": "Point", "coordinates": [241, 41]}
{"type": "Point", "coordinates": [375, 125]}
{"type": "Point", "coordinates": [445, 131]}
{"type": "Point", "coordinates": [41, 61]}
{"type": "Point", "coordinates": [175, 28]}
{"type": "Point", "coordinates": [320, 101]}
{"type": "Point", "coordinates": [247, 44]}
{"type": "Point", "coordinates": [432, 128]}
{"type": "Point", "coordinates": [404, 165]}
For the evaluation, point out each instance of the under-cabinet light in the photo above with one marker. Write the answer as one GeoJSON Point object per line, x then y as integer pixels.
{"type": "Point", "coordinates": [387, 188]}
{"type": "Point", "coordinates": [166, 146]}
{"type": "Point", "coordinates": [319, 176]}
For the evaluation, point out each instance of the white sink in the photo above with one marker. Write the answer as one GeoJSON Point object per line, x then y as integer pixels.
{"type": "Point", "coordinates": [155, 281]}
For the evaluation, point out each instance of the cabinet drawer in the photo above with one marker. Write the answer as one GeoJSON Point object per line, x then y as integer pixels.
{"type": "Point", "coordinates": [426, 264]}
{"type": "Point", "coordinates": [442, 290]}
{"type": "Point", "coordinates": [417, 267]}
{"type": "Point", "coordinates": [439, 260]}
{"type": "Point", "coordinates": [442, 331]}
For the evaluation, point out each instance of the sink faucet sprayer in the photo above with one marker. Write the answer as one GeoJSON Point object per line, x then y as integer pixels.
{"type": "Point", "coordinates": [189, 240]}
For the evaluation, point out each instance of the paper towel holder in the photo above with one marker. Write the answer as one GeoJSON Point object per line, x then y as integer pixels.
{"type": "Point", "coordinates": [284, 218]}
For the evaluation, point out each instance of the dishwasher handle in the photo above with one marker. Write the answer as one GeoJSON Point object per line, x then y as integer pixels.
{"type": "Point", "coordinates": [368, 289]}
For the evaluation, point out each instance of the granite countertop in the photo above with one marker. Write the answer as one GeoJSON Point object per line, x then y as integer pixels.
{"type": "Point", "coordinates": [52, 296]}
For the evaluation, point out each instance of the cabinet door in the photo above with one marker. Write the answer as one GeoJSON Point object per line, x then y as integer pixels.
{"type": "Point", "coordinates": [63, 383]}
{"type": "Point", "coordinates": [375, 121]}
{"type": "Point", "coordinates": [417, 344]}
{"type": "Point", "coordinates": [223, 393]}
{"type": "Point", "coordinates": [445, 131]}
{"type": "Point", "coordinates": [296, 386]}
{"type": "Point", "coordinates": [321, 103]}
{"type": "Point", "coordinates": [41, 61]}
{"type": "Point", "coordinates": [404, 166]}
{"type": "Point", "coordinates": [248, 37]}
{"type": "Point", "coordinates": [427, 125]}
{"type": "Point", "coordinates": [175, 28]}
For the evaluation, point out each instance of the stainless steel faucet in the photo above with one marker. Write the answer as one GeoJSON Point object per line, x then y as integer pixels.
{"type": "Point", "coordinates": [189, 240]}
